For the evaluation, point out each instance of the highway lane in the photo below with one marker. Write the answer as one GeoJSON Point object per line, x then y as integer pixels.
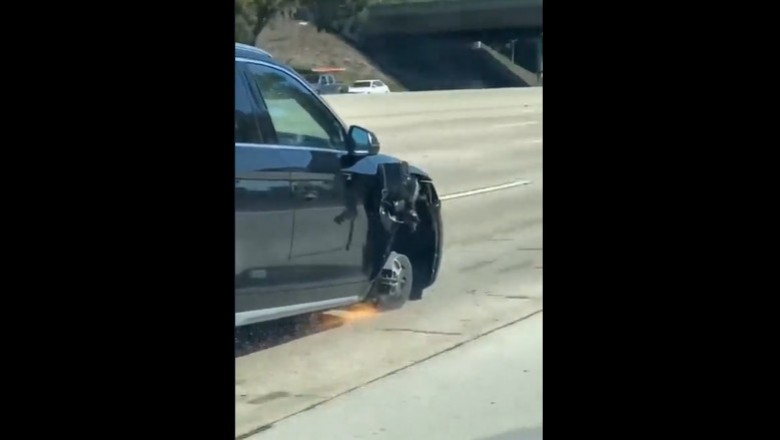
{"type": "Point", "coordinates": [491, 272]}
{"type": "Point", "coordinates": [465, 139]}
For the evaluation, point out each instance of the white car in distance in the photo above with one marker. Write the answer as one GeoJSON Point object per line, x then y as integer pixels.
{"type": "Point", "coordinates": [368, 87]}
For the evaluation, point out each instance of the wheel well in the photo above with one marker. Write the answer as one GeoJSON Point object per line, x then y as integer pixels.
{"type": "Point", "coordinates": [419, 246]}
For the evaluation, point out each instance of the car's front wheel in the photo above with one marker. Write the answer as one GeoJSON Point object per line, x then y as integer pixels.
{"type": "Point", "coordinates": [393, 286]}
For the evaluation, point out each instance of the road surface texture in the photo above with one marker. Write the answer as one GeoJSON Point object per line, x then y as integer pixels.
{"type": "Point", "coordinates": [486, 387]}
{"type": "Point", "coordinates": [463, 363]}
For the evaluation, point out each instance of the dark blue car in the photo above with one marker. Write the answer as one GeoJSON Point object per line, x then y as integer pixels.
{"type": "Point", "coordinates": [322, 219]}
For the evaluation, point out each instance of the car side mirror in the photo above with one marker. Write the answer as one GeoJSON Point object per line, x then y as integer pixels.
{"type": "Point", "coordinates": [362, 141]}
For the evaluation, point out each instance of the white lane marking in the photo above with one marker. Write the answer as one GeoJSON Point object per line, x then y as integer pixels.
{"type": "Point", "coordinates": [529, 141]}
{"type": "Point", "coordinates": [474, 192]}
{"type": "Point", "coordinates": [516, 124]}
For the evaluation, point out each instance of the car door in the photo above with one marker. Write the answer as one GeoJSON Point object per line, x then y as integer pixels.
{"type": "Point", "coordinates": [330, 225]}
{"type": "Point", "coordinates": [264, 212]}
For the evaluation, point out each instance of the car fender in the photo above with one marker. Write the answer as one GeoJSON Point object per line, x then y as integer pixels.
{"type": "Point", "coordinates": [369, 166]}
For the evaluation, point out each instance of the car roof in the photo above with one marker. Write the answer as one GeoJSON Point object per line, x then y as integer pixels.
{"type": "Point", "coordinates": [252, 53]}
{"type": "Point", "coordinates": [255, 53]}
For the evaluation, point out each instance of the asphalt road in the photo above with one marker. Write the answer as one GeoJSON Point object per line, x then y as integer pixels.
{"type": "Point", "coordinates": [463, 363]}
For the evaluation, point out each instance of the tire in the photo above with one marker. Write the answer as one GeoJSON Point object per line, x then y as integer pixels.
{"type": "Point", "coordinates": [422, 267]}
{"type": "Point", "coordinates": [398, 295]}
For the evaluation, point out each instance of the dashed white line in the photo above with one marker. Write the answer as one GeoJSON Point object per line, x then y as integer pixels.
{"type": "Point", "coordinates": [528, 141]}
{"type": "Point", "coordinates": [516, 124]}
{"type": "Point", "coordinates": [474, 192]}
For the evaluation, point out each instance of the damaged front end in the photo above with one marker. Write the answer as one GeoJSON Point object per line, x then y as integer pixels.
{"type": "Point", "coordinates": [408, 211]}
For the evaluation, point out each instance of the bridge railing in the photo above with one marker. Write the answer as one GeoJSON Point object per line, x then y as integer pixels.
{"type": "Point", "coordinates": [452, 16]}
{"type": "Point", "coordinates": [433, 6]}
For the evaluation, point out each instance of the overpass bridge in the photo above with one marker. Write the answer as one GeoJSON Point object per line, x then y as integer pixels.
{"type": "Point", "coordinates": [451, 16]}
{"type": "Point", "coordinates": [446, 44]}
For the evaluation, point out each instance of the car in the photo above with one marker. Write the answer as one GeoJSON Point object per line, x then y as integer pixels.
{"type": "Point", "coordinates": [323, 220]}
{"type": "Point", "coordinates": [368, 87]}
{"type": "Point", "coordinates": [324, 84]}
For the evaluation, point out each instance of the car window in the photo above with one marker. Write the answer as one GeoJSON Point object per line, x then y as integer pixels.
{"type": "Point", "coordinates": [298, 117]}
{"type": "Point", "coordinates": [247, 129]}
{"type": "Point", "coordinates": [361, 84]}
{"type": "Point", "coordinates": [379, 83]}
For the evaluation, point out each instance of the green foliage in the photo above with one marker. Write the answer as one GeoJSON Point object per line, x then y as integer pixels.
{"type": "Point", "coordinates": [252, 15]}
{"type": "Point", "coordinates": [329, 15]}
{"type": "Point", "coordinates": [245, 21]}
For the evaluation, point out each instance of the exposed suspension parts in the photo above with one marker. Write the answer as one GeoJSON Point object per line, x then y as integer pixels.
{"type": "Point", "coordinates": [399, 193]}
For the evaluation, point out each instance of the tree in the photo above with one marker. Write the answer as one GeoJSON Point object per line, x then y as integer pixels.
{"type": "Point", "coordinates": [252, 16]}
{"type": "Point", "coordinates": [329, 15]}
{"type": "Point", "coordinates": [245, 21]}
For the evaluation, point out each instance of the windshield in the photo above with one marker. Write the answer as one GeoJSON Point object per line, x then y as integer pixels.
{"type": "Point", "coordinates": [361, 84]}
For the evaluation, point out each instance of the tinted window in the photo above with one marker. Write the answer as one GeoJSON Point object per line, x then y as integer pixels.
{"type": "Point", "coordinates": [298, 117]}
{"type": "Point", "coordinates": [246, 124]}
{"type": "Point", "coordinates": [361, 84]}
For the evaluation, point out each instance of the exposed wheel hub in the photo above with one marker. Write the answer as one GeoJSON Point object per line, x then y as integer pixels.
{"type": "Point", "coordinates": [395, 276]}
